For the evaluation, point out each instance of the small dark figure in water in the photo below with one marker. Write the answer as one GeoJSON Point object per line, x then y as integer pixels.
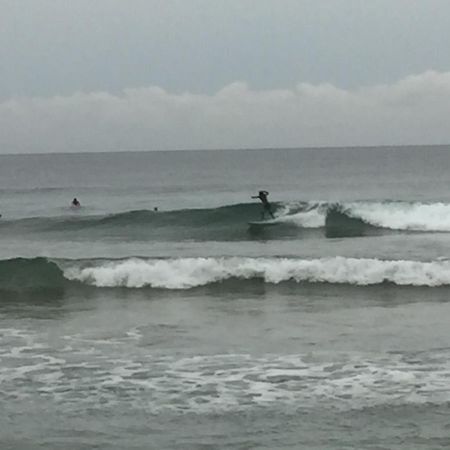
{"type": "Point", "coordinates": [76, 203]}
{"type": "Point", "coordinates": [155, 208]}
{"type": "Point", "coordinates": [262, 195]}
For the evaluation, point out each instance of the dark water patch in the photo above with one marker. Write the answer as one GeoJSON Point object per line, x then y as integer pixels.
{"type": "Point", "coordinates": [36, 281]}
{"type": "Point", "coordinates": [21, 275]}
{"type": "Point", "coordinates": [315, 296]}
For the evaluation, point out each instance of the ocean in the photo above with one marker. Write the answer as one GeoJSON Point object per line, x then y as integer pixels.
{"type": "Point", "coordinates": [156, 317]}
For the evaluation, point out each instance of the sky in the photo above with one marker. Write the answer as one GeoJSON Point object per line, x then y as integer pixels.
{"type": "Point", "coordinates": [118, 75]}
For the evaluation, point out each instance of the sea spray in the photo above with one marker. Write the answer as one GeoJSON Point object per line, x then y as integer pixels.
{"type": "Point", "coordinates": [185, 273]}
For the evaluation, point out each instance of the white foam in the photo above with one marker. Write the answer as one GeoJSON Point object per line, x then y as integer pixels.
{"type": "Point", "coordinates": [392, 215]}
{"type": "Point", "coordinates": [313, 217]}
{"type": "Point", "coordinates": [118, 375]}
{"type": "Point", "coordinates": [402, 216]}
{"type": "Point", "coordinates": [185, 273]}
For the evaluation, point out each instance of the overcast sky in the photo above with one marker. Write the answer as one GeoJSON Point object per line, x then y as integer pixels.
{"type": "Point", "coordinates": [108, 75]}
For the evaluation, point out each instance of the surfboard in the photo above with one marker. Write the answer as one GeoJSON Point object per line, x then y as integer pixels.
{"type": "Point", "coordinates": [262, 223]}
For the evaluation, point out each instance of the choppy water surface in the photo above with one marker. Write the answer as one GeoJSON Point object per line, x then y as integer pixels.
{"type": "Point", "coordinates": [188, 327]}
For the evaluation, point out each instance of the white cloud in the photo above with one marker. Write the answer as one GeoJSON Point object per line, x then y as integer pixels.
{"type": "Point", "coordinates": [414, 110]}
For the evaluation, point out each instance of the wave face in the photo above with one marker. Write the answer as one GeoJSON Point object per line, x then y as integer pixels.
{"type": "Point", "coordinates": [223, 223]}
{"type": "Point", "coordinates": [186, 273]}
{"type": "Point", "coordinates": [231, 222]}
{"type": "Point", "coordinates": [21, 274]}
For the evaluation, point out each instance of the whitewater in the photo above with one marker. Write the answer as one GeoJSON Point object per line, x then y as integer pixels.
{"type": "Point", "coordinates": [394, 215]}
{"type": "Point", "coordinates": [187, 273]}
{"type": "Point", "coordinates": [157, 316]}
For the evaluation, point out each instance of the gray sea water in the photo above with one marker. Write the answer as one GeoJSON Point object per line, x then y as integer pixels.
{"type": "Point", "coordinates": [126, 327]}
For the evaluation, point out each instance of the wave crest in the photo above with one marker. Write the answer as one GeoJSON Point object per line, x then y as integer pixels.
{"type": "Point", "coordinates": [402, 215]}
{"type": "Point", "coordinates": [231, 222]}
{"type": "Point", "coordinates": [185, 273]}
{"type": "Point", "coordinates": [22, 274]}
{"type": "Point", "coordinates": [39, 274]}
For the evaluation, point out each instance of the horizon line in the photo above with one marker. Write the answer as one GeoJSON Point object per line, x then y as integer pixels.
{"type": "Point", "coordinates": [321, 147]}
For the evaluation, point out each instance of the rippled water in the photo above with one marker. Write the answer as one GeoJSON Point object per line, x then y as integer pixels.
{"type": "Point", "coordinates": [124, 327]}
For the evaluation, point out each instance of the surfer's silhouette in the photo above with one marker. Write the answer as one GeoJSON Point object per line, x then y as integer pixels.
{"type": "Point", "coordinates": [262, 195]}
{"type": "Point", "coordinates": [75, 203]}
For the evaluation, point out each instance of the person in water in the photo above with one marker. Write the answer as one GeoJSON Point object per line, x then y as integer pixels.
{"type": "Point", "coordinates": [76, 203]}
{"type": "Point", "coordinates": [262, 195]}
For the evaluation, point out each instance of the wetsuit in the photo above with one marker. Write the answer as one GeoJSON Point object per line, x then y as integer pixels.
{"type": "Point", "coordinates": [262, 195]}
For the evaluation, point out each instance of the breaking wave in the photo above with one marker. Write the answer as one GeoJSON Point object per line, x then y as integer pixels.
{"type": "Point", "coordinates": [185, 273]}
{"type": "Point", "coordinates": [231, 222]}
{"type": "Point", "coordinates": [401, 215]}
{"type": "Point", "coordinates": [393, 215]}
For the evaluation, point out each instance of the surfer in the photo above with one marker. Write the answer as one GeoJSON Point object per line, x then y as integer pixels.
{"type": "Point", "coordinates": [75, 203]}
{"type": "Point", "coordinates": [262, 195]}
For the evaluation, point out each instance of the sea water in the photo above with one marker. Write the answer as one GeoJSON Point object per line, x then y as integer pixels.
{"type": "Point", "coordinates": [123, 326]}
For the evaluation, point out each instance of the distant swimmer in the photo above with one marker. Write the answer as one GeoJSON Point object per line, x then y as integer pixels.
{"type": "Point", "coordinates": [75, 203]}
{"type": "Point", "coordinates": [262, 195]}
